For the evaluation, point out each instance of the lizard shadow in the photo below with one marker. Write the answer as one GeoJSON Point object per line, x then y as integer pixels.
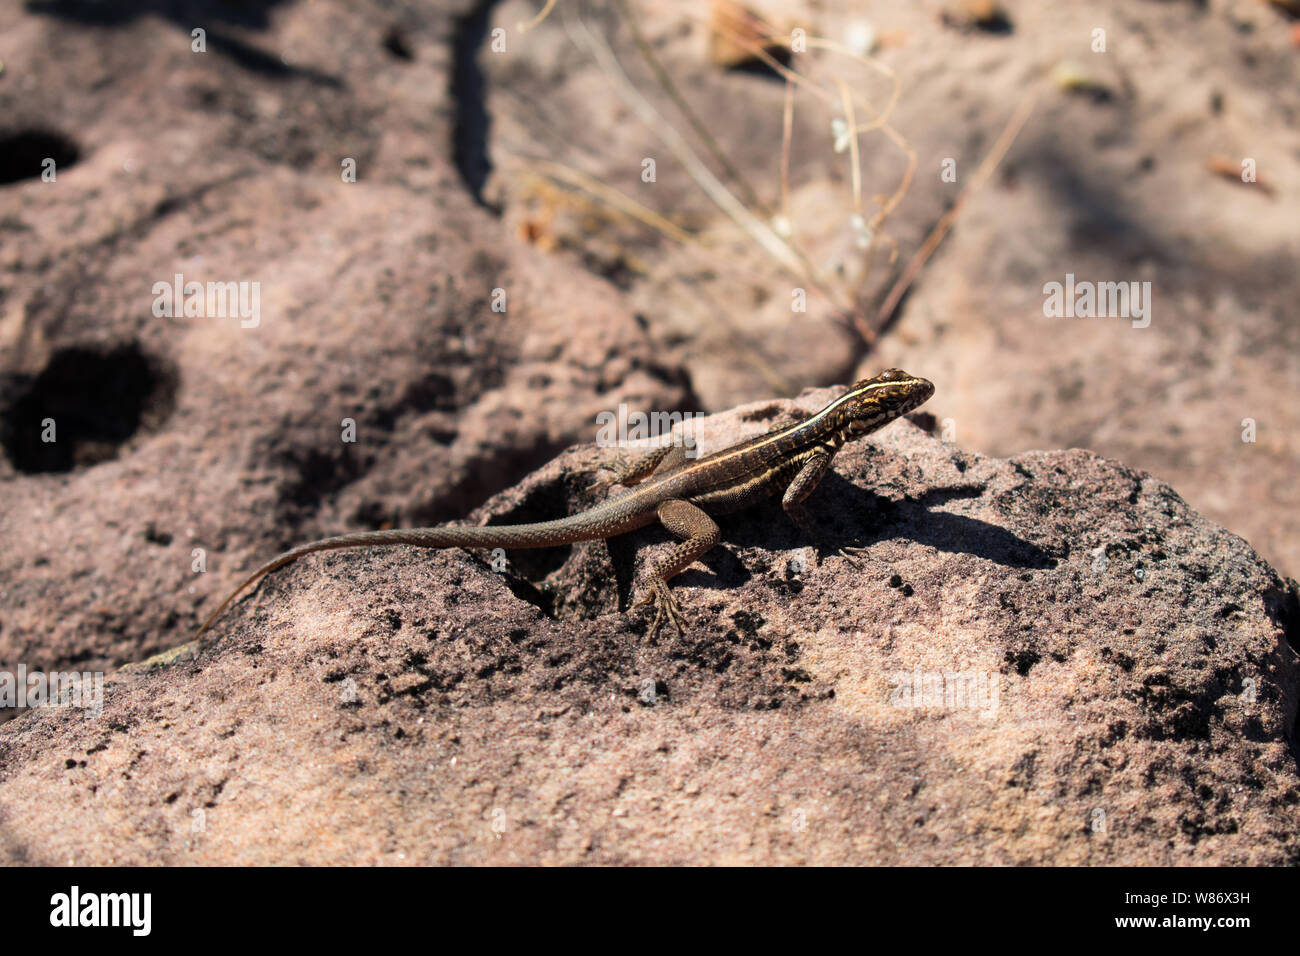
{"type": "Point", "coordinates": [922, 520]}
{"type": "Point", "coordinates": [250, 15]}
{"type": "Point", "coordinates": [864, 519]}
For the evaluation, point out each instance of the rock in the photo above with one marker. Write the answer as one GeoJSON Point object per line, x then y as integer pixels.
{"type": "Point", "coordinates": [1049, 659]}
{"type": "Point", "coordinates": [463, 359]}
{"type": "Point", "coordinates": [1107, 181]}
{"type": "Point", "coordinates": [1200, 395]}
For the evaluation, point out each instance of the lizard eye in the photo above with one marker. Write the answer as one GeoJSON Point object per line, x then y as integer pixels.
{"type": "Point", "coordinates": [891, 375]}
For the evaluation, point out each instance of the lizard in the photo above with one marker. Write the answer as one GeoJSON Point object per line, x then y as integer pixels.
{"type": "Point", "coordinates": [681, 493]}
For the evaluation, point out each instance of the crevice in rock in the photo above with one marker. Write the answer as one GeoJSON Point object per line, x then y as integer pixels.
{"type": "Point", "coordinates": [89, 401]}
{"type": "Point", "coordinates": [249, 14]}
{"type": "Point", "coordinates": [397, 45]}
{"type": "Point", "coordinates": [1284, 607]}
{"type": "Point", "coordinates": [318, 475]}
{"type": "Point", "coordinates": [1287, 613]}
{"type": "Point", "coordinates": [265, 64]}
{"type": "Point", "coordinates": [529, 593]}
{"type": "Point", "coordinates": [759, 68]}
{"type": "Point", "coordinates": [24, 152]}
{"type": "Point", "coordinates": [472, 124]}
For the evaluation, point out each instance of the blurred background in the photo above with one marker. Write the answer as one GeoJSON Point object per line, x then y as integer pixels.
{"type": "Point", "coordinates": [474, 226]}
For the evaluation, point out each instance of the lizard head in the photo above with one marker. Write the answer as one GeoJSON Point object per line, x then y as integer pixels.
{"type": "Point", "coordinates": [874, 402]}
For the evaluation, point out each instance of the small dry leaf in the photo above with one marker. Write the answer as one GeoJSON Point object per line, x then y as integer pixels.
{"type": "Point", "coordinates": [735, 32]}
{"type": "Point", "coordinates": [1230, 169]}
{"type": "Point", "coordinates": [981, 11]}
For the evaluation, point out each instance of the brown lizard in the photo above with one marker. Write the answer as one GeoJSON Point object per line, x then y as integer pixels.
{"type": "Point", "coordinates": [679, 493]}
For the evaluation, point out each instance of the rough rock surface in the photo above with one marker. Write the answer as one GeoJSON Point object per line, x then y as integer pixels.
{"type": "Point", "coordinates": [419, 706]}
{"type": "Point", "coordinates": [409, 706]}
{"type": "Point", "coordinates": [1137, 179]}
{"type": "Point", "coordinates": [179, 433]}
{"type": "Point", "coordinates": [1131, 175]}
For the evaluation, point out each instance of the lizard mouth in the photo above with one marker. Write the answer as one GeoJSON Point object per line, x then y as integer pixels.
{"type": "Point", "coordinates": [922, 389]}
{"type": "Point", "coordinates": [912, 395]}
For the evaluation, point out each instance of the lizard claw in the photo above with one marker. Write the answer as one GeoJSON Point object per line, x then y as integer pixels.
{"type": "Point", "coordinates": [604, 484]}
{"type": "Point", "coordinates": [665, 606]}
{"type": "Point", "coordinates": [850, 555]}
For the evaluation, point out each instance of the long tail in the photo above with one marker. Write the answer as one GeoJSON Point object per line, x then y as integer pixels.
{"type": "Point", "coordinates": [541, 535]}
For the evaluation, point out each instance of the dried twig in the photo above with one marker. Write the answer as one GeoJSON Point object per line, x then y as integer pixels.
{"type": "Point", "coordinates": [937, 234]}
{"type": "Point", "coordinates": [759, 231]}
{"type": "Point", "coordinates": [525, 26]}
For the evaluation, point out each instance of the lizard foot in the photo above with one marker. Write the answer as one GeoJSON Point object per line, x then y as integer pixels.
{"type": "Point", "coordinates": [604, 484]}
{"type": "Point", "coordinates": [847, 553]}
{"type": "Point", "coordinates": [665, 606]}
{"type": "Point", "coordinates": [850, 555]}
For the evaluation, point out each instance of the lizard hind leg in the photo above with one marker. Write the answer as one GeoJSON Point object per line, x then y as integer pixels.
{"type": "Point", "coordinates": [700, 534]}
{"type": "Point", "coordinates": [659, 462]}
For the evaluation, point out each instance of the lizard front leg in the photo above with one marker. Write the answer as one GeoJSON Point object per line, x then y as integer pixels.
{"type": "Point", "coordinates": [658, 462]}
{"type": "Point", "coordinates": [701, 533]}
{"type": "Point", "coordinates": [808, 478]}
